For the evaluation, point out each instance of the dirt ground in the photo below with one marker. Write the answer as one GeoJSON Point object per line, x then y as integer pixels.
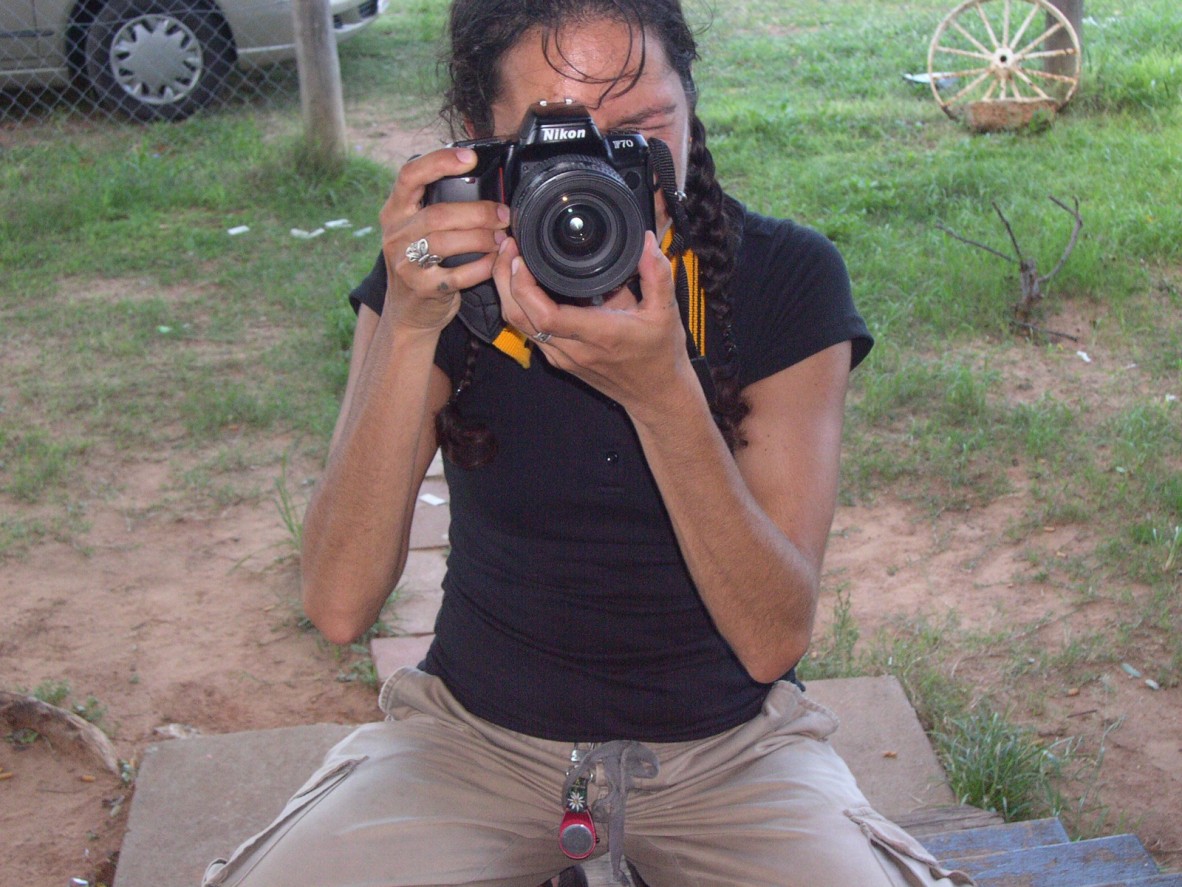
{"type": "Point", "coordinates": [176, 619]}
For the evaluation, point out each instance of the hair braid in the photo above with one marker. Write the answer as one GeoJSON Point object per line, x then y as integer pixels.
{"type": "Point", "coordinates": [714, 236]}
{"type": "Point", "coordinates": [467, 443]}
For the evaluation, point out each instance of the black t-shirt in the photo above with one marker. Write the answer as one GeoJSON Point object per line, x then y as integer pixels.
{"type": "Point", "coordinates": [568, 612]}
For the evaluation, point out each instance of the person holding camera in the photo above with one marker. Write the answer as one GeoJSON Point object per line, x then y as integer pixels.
{"type": "Point", "coordinates": [638, 387]}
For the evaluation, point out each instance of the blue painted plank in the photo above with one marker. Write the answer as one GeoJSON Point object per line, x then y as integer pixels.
{"type": "Point", "coordinates": [1112, 860]}
{"type": "Point", "coordinates": [1007, 837]}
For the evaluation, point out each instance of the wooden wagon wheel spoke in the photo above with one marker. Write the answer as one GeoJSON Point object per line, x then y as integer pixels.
{"type": "Point", "coordinates": [1040, 40]}
{"type": "Point", "coordinates": [1041, 93]}
{"type": "Point", "coordinates": [1026, 24]}
{"type": "Point", "coordinates": [986, 53]}
{"type": "Point", "coordinates": [1013, 53]}
{"type": "Point", "coordinates": [973, 85]}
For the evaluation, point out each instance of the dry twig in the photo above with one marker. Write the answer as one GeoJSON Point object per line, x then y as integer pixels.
{"type": "Point", "coordinates": [1031, 281]}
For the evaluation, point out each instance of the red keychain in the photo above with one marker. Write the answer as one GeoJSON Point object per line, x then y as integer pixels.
{"type": "Point", "coordinates": [576, 833]}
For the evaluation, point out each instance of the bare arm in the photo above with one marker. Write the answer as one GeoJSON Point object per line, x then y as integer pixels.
{"type": "Point", "coordinates": [752, 528]}
{"type": "Point", "coordinates": [357, 526]}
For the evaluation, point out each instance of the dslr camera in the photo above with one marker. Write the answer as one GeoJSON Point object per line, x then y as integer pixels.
{"type": "Point", "coordinates": [580, 201]}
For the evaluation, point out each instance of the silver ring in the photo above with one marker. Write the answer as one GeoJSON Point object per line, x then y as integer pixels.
{"type": "Point", "coordinates": [417, 251]}
{"type": "Point", "coordinates": [429, 261]}
{"type": "Point", "coordinates": [542, 338]}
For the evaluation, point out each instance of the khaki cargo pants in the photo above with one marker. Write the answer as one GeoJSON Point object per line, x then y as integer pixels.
{"type": "Point", "coordinates": [435, 796]}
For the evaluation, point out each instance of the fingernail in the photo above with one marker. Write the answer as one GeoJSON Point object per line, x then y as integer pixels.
{"type": "Point", "coordinates": [503, 213]}
{"type": "Point", "coordinates": [465, 155]}
{"type": "Point", "coordinates": [515, 265]}
{"type": "Point", "coordinates": [500, 237]}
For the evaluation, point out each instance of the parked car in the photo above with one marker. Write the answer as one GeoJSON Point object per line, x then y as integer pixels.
{"type": "Point", "coordinates": [153, 59]}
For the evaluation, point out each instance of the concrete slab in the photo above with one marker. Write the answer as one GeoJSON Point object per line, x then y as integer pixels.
{"type": "Point", "coordinates": [420, 591]}
{"type": "Point", "coordinates": [882, 741]}
{"type": "Point", "coordinates": [391, 654]}
{"type": "Point", "coordinates": [196, 799]}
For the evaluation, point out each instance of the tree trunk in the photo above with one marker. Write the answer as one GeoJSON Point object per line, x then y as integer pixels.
{"type": "Point", "coordinates": [1073, 11]}
{"type": "Point", "coordinates": [320, 83]}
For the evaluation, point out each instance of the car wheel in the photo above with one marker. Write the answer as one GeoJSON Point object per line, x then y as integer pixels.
{"type": "Point", "coordinates": [158, 59]}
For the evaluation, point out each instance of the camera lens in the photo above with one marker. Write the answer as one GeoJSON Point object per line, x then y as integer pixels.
{"type": "Point", "coordinates": [579, 226]}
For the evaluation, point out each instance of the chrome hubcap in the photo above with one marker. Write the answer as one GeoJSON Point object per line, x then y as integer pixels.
{"type": "Point", "coordinates": [156, 59]}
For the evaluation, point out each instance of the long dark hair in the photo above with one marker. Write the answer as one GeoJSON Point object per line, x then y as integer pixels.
{"type": "Point", "coordinates": [481, 32]}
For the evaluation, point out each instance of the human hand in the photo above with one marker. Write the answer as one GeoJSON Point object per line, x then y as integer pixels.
{"type": "Point", "coordinates": [631, 350]}
{"type": "Point", "coordinates": [425, 294]}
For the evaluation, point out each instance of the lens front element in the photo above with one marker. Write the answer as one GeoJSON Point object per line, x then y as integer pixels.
{"type": "Point", "coordinates": [579, 231]}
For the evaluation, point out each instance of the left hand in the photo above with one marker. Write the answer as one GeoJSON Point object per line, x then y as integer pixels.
{"type": "Point", "coordinates": [632, 351]}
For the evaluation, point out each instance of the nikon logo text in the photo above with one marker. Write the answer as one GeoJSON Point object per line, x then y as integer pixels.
{"type": "Point", "coordinates": [561, 134]}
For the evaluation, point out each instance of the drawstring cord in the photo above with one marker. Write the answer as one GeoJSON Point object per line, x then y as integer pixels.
{"type": "Point", "coordinates": [623, 760]}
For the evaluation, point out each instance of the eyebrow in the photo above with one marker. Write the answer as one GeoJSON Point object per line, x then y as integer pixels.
{"type": "Point", "coordinates": [642, 117]}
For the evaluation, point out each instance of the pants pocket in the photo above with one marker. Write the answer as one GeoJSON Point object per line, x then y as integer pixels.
{"type": "Point", "coordinates": [902, 854]}
{"type": "Point", "coordinates": [222, 873]}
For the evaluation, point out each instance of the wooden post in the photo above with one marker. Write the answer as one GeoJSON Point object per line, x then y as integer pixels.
{"type": "Point", "coordinates": [321, 99]}
{"type": "Point", "coordinates": [1073, 11]}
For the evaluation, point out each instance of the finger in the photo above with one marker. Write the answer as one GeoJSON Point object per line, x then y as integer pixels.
{"type": "Point", "coordinates": [524, 304]}
{"type": "Point", "coordinates": [447, 280]}
{"type": "Point", "coordinates": [448, 246]}
{"type": "Point", "coordinates": [656, 274]}
{"type": "Point", "coordinates": [407, 194]}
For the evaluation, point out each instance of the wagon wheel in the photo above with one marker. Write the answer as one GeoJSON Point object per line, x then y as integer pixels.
{"type": "Point", "coordinates": [996, 50]}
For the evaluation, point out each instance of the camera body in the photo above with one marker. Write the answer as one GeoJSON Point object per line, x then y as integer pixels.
{"type": "Point", "coordinates": [580, 201]}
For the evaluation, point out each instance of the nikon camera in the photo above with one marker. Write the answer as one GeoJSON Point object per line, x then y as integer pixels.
{"type": "Point", "coordinates": [580, 201]}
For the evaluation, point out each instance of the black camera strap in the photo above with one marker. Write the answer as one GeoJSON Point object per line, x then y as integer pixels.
{"type": "Point", "coordinates": [691, 300]}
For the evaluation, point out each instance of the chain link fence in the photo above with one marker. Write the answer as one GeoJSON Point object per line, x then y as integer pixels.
{"type": "Point", "coordinates": [150, 60]}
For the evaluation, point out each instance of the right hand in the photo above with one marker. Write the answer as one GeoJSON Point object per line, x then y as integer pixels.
{"type": "Point", "coordinates": [428, 298]}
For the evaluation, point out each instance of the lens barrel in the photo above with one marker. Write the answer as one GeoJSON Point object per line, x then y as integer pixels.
{"type": "Point", "coordinates": [579, 227]}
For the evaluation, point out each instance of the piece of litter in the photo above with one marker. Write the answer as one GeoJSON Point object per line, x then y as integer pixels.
{"type": "Point", "coordinates": [361, 232]}
{"type": "Point", "coordinates": [432, 499]}
{"type": "Point", "coordinates": [890, 754]}
{"type": "Point", "coordinates": [239, 229]}
{"type": "Point", "coordinates": [1129, 670]}
{"type": "Point", "coordinates": [942, 80]}
{"type": "Point", "coordinates": [306, 235]}
{"type": "Point", "coordinates": [177, 731]}
{"type": "Point", "coordinates": [1152, 684]}
{"type": "Point", "coordinates": [1171, 398]}
{"type": "Point", "coordinates": [164, 330]}
{"type": "Point", "coordinates": [1083, 355]}
{"type": "Point", "coordinates": [338, 223]}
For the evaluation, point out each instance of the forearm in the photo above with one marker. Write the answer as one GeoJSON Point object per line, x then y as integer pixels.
{"type": "Point", "coordinates": [357, 525]}
{"type": "Point", "coordinates": [759, 587]}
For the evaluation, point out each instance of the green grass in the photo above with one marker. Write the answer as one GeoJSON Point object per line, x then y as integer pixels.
{"type": "Point", "coordinates": [133, 325]}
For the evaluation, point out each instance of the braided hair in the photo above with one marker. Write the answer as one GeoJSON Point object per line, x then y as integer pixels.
{"type": "Point", "coordinates": [481, 33]}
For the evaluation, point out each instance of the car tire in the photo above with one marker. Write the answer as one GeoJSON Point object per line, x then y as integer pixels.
{"type": "Point", "coordinates": [158, 59]}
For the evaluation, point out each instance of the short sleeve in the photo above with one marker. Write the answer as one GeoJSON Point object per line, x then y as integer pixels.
{"type": "Point", "coordinates": [791, 298]}
{"type": "Point", "coordinates": [371, 292]}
